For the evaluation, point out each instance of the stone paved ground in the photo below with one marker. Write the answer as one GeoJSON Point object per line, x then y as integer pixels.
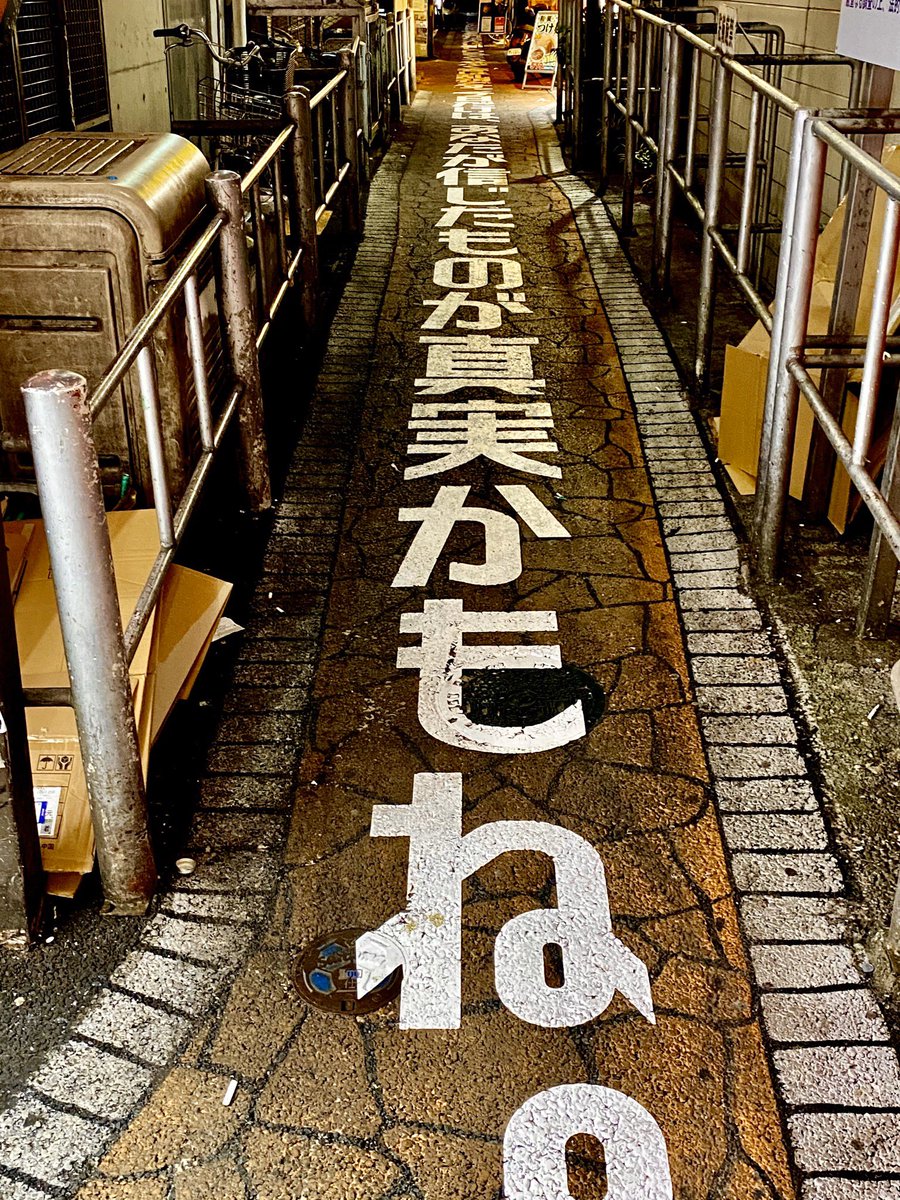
{"type": "Point", "coordinates": [766, 1072]}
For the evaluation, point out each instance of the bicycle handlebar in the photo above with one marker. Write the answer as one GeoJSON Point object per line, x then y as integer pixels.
{"type": "Point", "coordinates": [237, 56]}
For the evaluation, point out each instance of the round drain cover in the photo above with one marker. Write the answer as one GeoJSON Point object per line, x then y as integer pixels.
{"type": "Point", "coordinates": [325, 976]}
{"type": "Point", "coordinates": [528, 697]}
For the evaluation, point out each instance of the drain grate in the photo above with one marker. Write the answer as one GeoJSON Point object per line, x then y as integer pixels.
{"type": "Point", "coordinates": [325, 976]}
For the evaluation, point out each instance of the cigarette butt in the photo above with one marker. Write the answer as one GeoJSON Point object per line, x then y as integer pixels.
{"type": "Point", "coordinates": [229, 1093]}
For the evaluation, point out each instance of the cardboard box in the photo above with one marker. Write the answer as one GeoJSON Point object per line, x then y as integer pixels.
{"type": "Point", "coordinates": [164, 668]}
{"type": "Point", "coordinates": [17, 538]}
{"type": "Point", "coordinates": [747, 366]}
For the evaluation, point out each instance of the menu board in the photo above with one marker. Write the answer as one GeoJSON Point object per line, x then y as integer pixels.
{"type": "Point", "coordinates": [542, 50]}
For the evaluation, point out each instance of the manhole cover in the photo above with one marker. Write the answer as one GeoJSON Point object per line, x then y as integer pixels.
{"type": "Point", "coordinates": [325, 976]}
{"type": "Point", "coordinates": [528, 697]}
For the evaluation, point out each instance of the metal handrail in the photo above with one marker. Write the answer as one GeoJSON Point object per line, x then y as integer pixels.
{"type": "Point", "coordinates": [60, 416]}
{"type": "Point", "coordinates": [139, 336]}
{"type": "Point", "coordinates": [327, 89]}
{"type": "Point", "coordinates": [795, 353]}
{"type": "Point", "coordinates": [644, 86]}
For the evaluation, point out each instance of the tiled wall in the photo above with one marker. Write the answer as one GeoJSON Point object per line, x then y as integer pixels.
{"type": "Point", "coordinates": [810, 26]}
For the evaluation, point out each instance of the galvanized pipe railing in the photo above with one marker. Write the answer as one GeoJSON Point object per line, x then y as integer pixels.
{"type": "Point", "coordinates": [795, 354]}
{"type": "Point", "coordinates": [65, 460]}
{"type": "Point", "coordinates": [64, 466]}
{"type": "Point", "coordinates": [72, 507]}
{"type": "Point", "coordinates": [313, 163]}
{"type": "Point", "coordinates": [645, 57]}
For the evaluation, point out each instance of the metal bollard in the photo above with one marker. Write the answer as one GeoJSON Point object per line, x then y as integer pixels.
{"type": "Point", "coordinates": [303, 196]}
{"type": "Point", "coordinates": [238, 309]}
{"type": "Point", "coordinates": [65, 462]}
{"type": "Point", "coordinates": [21, 873]}
{"type": "Point", "coordinates": [771, 495]}
{"type": "Point", "coordinates": [349, 120]}
{"type": "Point", "coordinates": [718, 148]}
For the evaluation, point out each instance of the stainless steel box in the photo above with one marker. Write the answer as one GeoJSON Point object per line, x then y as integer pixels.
{"type": "Point", "coordinates": [90, 226]}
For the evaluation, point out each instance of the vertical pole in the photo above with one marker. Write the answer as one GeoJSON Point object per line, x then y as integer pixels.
{"type": "Point", "coordinates": [751, 163]}
{"type": "Point", "coordinates": [673, 57]}
{"type": "Point", "coordinates": [575, 100]}
{"type": "Point", "coordinates": [65, 463]}
{"type": "Point", "coordinates": [772, 497]}
{"type": "Point", "coordinates": [693, 114]}
{"type": "Point", "coordinates": [21, 873]}
{"type": "Point", "coordinates": [631, 86]}
{"type": "Point", "coordinates": [400, 42]}
{"type": "Point", "coordinates": [303, 196]}
{"type": "Point", "coordinates": [411, 49]}
{"type": "Point", "coordinates": [792, 186]}
{"type": "Point", "coordinates": [892, 941]}
{"type": "Point", "coordinates": [351, 142]}
{"type": "Point", "coordinates": [880, 579]}
{"type": "Point", "coordinates": [606, 87]}
{"type": "Point", "coordinates": [876, 93]}
{"type": "Point", "coordinates": [715, 172]}
{"type": "Point", "coordinates": [363, 75]}
{"type": "Point", "coordinates": [238, 22]}
{"type": "Point", "coordinates": [224, 192]}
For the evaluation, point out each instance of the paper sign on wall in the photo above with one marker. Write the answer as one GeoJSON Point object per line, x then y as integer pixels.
{"type": "Point", "coordinates": [870, 31]}
{"type": "Point", "coordinates": [726, 29]}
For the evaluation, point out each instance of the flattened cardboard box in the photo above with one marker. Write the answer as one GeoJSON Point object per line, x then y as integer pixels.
{"type": "Point", "coordinates": [167, 662]}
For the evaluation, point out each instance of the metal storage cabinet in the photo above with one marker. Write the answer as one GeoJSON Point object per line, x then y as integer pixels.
{"type": "Point", "coordinates": [90, 225]}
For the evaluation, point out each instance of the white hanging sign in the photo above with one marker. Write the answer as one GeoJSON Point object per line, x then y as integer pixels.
{"type": "Point", "coordinates": [870, 31]}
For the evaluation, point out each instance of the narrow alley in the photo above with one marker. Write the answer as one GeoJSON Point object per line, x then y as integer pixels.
{"type": "Point", "coordinates": [507, 719]}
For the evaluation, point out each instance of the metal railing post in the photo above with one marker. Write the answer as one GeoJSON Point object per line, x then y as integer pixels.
{"type": "Point", "coordinates": [351, 142]}
{"type": "Point", "coordinates": [576, 74]}
{"type": "Point", "coordinates": [859, 200]}
{"type": "Point", "coordinates": [65, 462]}
{"type": "Point", "coordinates": [402, 71]}
{"type": "Point", "coordinates": [892, 941]}
{"type": "Point", "coordinates": [303, 197]}
{"type": "Point", "coordinates": [668, 137]}
{"type": "Point", "coordinates": [715, 172]}
{"type": "Point", "coordinates": [411, 51]}
{"type": "Point", "coordinates": [792, 185]}
{"type": "Point", "coordinates": [363, 117]}
{"type": "Point", "coordinates": [880, 580]}
{"type": "Point", "coordinates": [605, 106]}
{"type": "Point", "coordinates": [771, 497]}
{"type": "Point", "coordinates": [631, 86]}
{"type": "Point", "coordinates": [224, 192]}
{"type": "Point", "coordinates": [21, 873]}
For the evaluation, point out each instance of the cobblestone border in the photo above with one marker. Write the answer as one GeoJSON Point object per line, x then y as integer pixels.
{"type": "Point", "coordinates": [836, 1068]}
{"type": "Point", "coordinates": [87, 1089]}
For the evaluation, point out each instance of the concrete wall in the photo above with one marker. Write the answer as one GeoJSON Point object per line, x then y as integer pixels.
{"type": "Point", "coordinates": [138, 83]}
